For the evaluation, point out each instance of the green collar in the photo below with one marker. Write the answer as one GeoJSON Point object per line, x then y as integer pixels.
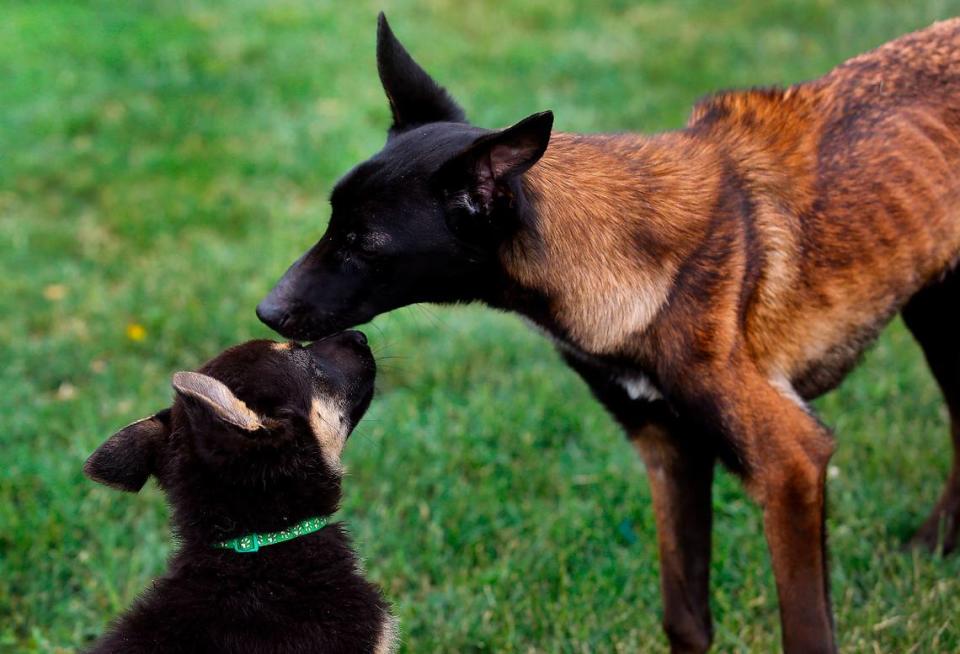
{"type": "Point", "coordinates": [253, 542]}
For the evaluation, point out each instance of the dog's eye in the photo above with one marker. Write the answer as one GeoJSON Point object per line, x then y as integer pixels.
{"type": "Point", "coordinates": [358, 244]}
{"type": "Point", "coordinates": [372, 243]}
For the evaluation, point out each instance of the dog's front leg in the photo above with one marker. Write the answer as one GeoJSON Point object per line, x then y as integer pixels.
{"type": "Point", "coordinates": [680, 465]}
{"type": "Point", "coordinates": [784, 452]}
{"type": "Point", "coordinates": [680, 473]}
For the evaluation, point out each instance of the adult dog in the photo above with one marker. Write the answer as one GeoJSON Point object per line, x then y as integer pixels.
{"type": "Point", "coordinates": [706, 283]}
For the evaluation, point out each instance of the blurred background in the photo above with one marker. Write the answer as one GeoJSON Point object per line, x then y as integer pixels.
{"type": "Point", "coordinates": [161, 163]}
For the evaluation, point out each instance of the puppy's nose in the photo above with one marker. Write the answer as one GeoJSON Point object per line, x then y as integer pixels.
{"type": "Point", "coordinates": [358, 337]}
{"type": "Point", "coordinates": [272, 313]}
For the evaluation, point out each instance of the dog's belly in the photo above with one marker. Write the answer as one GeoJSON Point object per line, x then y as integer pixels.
{"type": "Point", "coordinates": [818, 352]}
{"type": "Point", "coordinates": [827, 372]}
{"type": "Point", "coordinates": [821, 350]}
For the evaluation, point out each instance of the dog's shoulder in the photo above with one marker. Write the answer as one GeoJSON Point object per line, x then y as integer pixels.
{"type": "Point", "coordinates": [774, 111]}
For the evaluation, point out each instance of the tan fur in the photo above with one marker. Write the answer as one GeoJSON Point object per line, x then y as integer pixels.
{"type": "Point", "coordinates": [585, 201]}
{"type": "Point", "coordinates": [220, 398]}
{"type": "Point", "coordinates": [389, 640]}
{"type": "Point", "coordinates": [744, 263]}
{"type": "Point", "coordinates": [326, 421]}
{"type": "Point", "coordinates": [844, 232]}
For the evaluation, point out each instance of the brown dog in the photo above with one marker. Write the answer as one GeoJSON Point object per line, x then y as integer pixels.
{"type": "Point", "coordinates": [706, 283]}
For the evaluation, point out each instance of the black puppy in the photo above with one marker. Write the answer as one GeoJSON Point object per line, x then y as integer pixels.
{"type": "Point", "coordinates": [249, 458]}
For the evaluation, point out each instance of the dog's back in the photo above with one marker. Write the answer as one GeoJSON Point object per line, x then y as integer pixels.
{"type": "Point", "coordinates": [855, 198]}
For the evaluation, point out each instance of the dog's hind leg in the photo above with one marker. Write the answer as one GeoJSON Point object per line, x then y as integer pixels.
{"type": "Point", "coordinates": [680, 471]}
{"type": "Point", "coordinates": [933, 315]}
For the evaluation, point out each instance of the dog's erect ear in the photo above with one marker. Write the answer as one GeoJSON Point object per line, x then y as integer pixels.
{"type": "Point", "coordinates": [415, 99]}
{"type": "Point", "coordinates": [126, 459]}
{"type": "Point", "coordinates": [212, 396]}
{"type": "Point", "coordinates": [495, 158]}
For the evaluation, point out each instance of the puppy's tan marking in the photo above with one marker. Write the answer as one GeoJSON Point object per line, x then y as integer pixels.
{"type": "Point", "coordinates": [389, 640]}
{"type": "Point", "coordinates": [327, 423]}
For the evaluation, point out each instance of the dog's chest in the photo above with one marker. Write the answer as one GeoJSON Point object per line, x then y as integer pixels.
{"type": "Point", "coordinates": [639, 387]}
{"type": "Point", "coordinates": [635, 383]}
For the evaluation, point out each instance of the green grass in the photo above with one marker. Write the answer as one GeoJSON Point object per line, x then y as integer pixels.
{"type": "Point", "coordinates": [160, 165]}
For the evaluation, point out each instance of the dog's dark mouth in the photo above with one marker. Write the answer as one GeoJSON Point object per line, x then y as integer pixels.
{"type": "Point", "coordinates": [298, 323]}
{"type": "Point", "coordinates": [303, 331]}
{"type": "Point", "coordinates": [310, 329]}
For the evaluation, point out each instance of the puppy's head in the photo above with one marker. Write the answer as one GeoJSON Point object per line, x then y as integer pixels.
{"type": "Point", "coordinates": [420, 221]}
{"type": "Point", "coordinates": [254, 437]}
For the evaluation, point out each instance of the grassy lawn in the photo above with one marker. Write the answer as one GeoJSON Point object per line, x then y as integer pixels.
{"type": "Point", "coordinates": [162, 163]}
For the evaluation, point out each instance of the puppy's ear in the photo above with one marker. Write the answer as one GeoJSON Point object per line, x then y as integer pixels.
{"type": "Point", "coordinates": [126, 459]}
{"type": "Point", "coordinates": [213, 398]}
{"type": "Point", "coordinates": [491, 161]}
{"type": "Point", "coordinates": [415, 99]}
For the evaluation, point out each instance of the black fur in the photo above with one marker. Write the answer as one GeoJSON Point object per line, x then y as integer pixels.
{"type": "Point", "coordinates": [222, 481]}
{"type": "Point", "coordinates": [421, 220]}
{"type": "Point", "coordinates": [415, 99]}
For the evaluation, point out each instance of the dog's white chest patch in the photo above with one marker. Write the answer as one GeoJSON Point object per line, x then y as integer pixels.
{"type": "Point", "coordinates": [639, 387]}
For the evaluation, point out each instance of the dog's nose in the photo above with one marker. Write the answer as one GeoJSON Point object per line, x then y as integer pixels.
{"type": "Point", "coordinates": [271, 313]}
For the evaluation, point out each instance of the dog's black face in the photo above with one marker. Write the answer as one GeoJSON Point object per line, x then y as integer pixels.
{"type": "Point", "coordinates": [421, 221]}
{"type": "Point", "coordinates": [253, 439]}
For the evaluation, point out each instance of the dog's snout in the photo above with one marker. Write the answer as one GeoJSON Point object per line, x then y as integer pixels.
{"type": "Point", "coordinates": [272, 313]}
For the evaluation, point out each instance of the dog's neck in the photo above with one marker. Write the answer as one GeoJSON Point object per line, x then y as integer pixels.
{"type": "Point", "coordinates": [326, 547]}
{"type": "Point", "coordinates": [205, 514]}
{"type": "Point", "coordinates": [252, 542]}
{"type": "Point", "coordinates": [624, 212]}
